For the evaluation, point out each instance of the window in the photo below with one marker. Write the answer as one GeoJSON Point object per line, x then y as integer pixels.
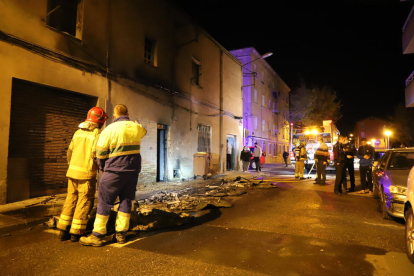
{"type": "Point", "coordinates": [196, 72]}
{"type": "Point", "coordinates": [362, 134]}
{"type": "Point", "coordinates": [255, 96]}
{"type": "Point", "coordinates": [263, 125]}
{"type": "Point", "coordinates": [150, 56]}
{"type": "Point", "coordinates": [269, 105]}
{"type": "Point", "coordinates": [274, 149]}
{"type": "Point", "coordinates": [66, 16]}
{"type": "Point", "coordinates": [270, 149]}
{"type": "Point", "coordinates": [268, 127]}
{"type": "Point", "coordinates": [263, 101]}
{"type": "Point", "coordinates": [263, 146]}
{"type": "Point", "coordinates": [204, 138]}
{"type": "Point", "coordinates": [255, 122]}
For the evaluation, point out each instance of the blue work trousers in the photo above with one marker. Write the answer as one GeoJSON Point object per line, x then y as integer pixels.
{"type": "Point", "coordinates": [112, 185]}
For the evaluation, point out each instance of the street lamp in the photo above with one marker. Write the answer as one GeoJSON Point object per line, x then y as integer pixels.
{"type": "Point", "coordinates": [268, 54]}
{"type": "Point", "coordinates": [291, 135]}
{"type": "Point", "coordinates": [388, 133]}
{"type": "Point", "coordinates": [373, 142]}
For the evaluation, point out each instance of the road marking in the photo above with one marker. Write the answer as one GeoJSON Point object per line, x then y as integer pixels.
{"type": "Point", "coordinates": [385, 225]}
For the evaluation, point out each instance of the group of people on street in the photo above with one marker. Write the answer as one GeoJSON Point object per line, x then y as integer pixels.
{"type": "Point", "coordinates": [116, 153]}
{"type": "Point", "coordinates": [344, 153]}
{"type": "Point", "coordinates": [246, 157]}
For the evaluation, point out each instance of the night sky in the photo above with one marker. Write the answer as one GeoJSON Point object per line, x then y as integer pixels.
{"type": "Point", "coordinates": [352, 46]}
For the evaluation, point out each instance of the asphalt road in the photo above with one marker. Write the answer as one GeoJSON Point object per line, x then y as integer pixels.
{"type": "Point", "coordinates": [296, 229]}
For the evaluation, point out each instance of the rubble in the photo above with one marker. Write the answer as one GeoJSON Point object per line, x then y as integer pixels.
{"type": "Point", "coordinates": [174, 208]}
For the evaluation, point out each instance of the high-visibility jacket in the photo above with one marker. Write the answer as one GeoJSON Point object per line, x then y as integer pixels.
{"type": "Point", "coordinates": [119, 145]}
{"type": "Point", "coordinates": [81, 153]}
{"type": "Point", "coordinates": [301, 154]}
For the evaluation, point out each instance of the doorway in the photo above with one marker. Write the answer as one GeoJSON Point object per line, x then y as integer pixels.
{"type": "Point", "coordinates": [232, 142]}
{"type": "Point", "coordinates": [42, 122]}
{"type": "Point", "coordinates": [162, 131]}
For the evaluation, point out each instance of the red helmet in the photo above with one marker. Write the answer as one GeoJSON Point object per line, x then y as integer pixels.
{"type": "Point", "coordinates": [97, 115]}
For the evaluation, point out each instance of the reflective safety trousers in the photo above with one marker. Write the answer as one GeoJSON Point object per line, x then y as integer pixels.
{"type": "Point", "coordinates": [81, 153]}
{"type": "Point", "coordinates": [78, 204]}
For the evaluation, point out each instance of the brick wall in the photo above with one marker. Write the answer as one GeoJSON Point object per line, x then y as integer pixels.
{"type": "Point", "coordinates": [148, 173]}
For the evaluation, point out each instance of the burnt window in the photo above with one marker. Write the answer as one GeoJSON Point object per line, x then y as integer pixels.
{"type": "Point", "coordinates": [150, 51]}
{"type": "Point", "coordinates": [65, 16]}
{"type": "Point", "coordinates": [204, 138]}
{"type": "Point", "coordinates": [196, 72]}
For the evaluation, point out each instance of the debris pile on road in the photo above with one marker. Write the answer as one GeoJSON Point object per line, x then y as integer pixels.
{"type": "Point", "coordinates": [174, 208]}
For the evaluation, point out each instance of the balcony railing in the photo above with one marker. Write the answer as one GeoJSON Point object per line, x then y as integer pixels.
{"type": "Point", "coordinates": [408, 34]}
{"type": "Point", "coordinates": [409, 79]}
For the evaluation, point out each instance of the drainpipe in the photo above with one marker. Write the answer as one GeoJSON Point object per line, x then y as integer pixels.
{"type": "Point", "coordinates": [221, 112]}
{"type": "Point", "coordinates": [108, 82]}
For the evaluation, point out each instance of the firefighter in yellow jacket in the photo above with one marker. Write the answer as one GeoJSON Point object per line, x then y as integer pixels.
{"type": "Point", "coordinates": [118, 153]}
{"type": "Point", "coordinates": [81, 176]}
{"type": "Point", "coordinates": [300, 156]}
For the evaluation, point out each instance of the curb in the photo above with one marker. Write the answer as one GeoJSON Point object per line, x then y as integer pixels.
{"type": "Point", "coordinates": [20, 226]}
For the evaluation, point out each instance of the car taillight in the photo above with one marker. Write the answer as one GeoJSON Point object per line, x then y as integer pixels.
{"type": "Point", "coordinates": [331, 154]}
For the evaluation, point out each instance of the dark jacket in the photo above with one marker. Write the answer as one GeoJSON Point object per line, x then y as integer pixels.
{"type": "Point", "coordinates": [322, 153]}
{"type": "Point", "coordinates": [366, 150]}
{"type": "Point", "coordinates": [285, 154]}
{"type": "Point", "coordinates": [338, 153]}
{"type": "Point", "coordinates": [246, 155]}
{"type": "Point", "coordinates": [349, 149]}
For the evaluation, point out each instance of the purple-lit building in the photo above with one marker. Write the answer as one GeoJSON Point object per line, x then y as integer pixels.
{"type": "Point", "coordinates": [265, 105]}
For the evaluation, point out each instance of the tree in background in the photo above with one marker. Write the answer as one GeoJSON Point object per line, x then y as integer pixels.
{"type": "Point", "coordinates": [401, 123]}
{"type": "Point", "coordinates": [310, 106]}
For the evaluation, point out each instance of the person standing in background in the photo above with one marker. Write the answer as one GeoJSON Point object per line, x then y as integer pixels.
{"type": "Point", "coordinates": [228, 159]}
{"type": "Point", "coordinates": [285, 157]}
{"type": "Point", "coordinates": [257, 153]}
{"type": "Point", "coordinates": [246, 157]}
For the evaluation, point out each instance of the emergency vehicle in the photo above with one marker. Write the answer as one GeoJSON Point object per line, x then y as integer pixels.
{"type": "Point", "coordinates": [309, 135]}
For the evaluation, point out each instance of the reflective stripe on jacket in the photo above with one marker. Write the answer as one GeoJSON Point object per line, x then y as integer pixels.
{"type": "Point", "coordinates": [81, 153]}
{"type": "Point", "coordinates": [119, 146]}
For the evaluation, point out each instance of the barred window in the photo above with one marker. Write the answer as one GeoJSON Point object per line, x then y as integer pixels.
{"type": "Point", "coordinates": [204, 138]}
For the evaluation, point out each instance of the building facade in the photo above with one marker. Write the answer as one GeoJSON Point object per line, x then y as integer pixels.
{"type": "Point", "coordinates": [265, 105]}
{"type": "Point", "coordinates": [408, 48]}
{"type": "Point", "coordinates": [60, 58]}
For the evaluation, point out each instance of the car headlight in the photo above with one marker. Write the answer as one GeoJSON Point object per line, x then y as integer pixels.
{"type": "Point", "coordinates": [398, 190]}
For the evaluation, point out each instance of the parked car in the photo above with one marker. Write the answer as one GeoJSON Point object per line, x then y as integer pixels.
{"type": "Point", "coordinates": [390, 181]}
{"type": "Point", "coordinates": [409, 217]}
{"type": "Point", "coordinates": [262, 159]}
{"type": "Point", "coordinates": [378, 154]}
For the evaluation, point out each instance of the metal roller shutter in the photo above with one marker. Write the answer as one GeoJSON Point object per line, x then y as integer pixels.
{"type": "Point", "coordinates": [42, 123]}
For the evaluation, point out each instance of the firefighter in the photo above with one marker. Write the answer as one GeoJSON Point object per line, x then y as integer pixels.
{"type": "Point", "coordinates": [118, 153]}
{"type": "Point", "coordinates": [321, 161]}
{"type": "Point", "coordinates": [81, 176]}
{"type": "Point", "coordinates": [300, 156]}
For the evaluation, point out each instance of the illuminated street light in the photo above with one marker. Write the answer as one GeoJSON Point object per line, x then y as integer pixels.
{"type": "Point", "coordinates": [373, 142]}
{"type": "Point", "coordinates": [314, 131]}
{"type": "Point", "coordinates": [268, 54]}
{"type": "Point", "coordinates": [307, 132]}
{"type": "Point", "coordinates": [388, 133]}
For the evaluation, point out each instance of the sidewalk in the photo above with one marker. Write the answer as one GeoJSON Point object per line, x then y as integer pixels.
{"type": "Point", "coordinates": [31, 212]}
